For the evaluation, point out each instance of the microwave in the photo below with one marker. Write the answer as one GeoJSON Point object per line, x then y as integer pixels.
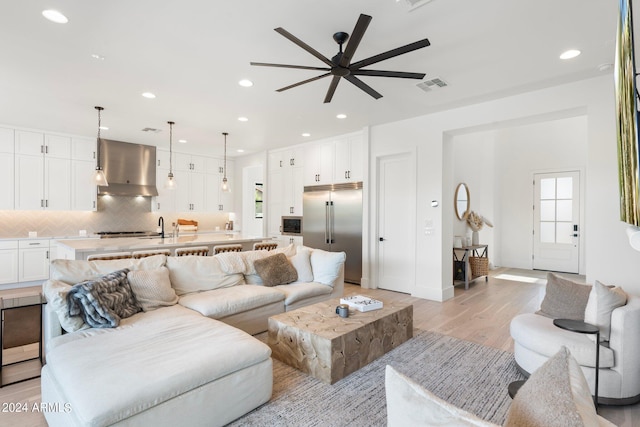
{"type": "Point", "coordinates": [291, 225]}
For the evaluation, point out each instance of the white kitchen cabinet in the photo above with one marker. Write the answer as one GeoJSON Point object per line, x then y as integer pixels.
{"type": "Point", "coordinates": [42, 171]}
{"type": "Point", "coordinates": [216, 199]}
{"type": "Point", "coordinates": [8, 261]}
{"type": "Point", "coordinates": [83, 149]}
{"type": "Point", "coordinates": [33, 260]}
{"type": "Point", "coordinates": [188, 162]}
{"type": "Point", "coordinates": [165, 201]}
{"type": "Point", "coordinates": [189, 196]}
{"type": "Point", "coordinates": [348, 159]}
{"type": "Point", "coordinates": [285, 187]}
{"type": "Point", "coordinates": [318, 163]}
{"type": "Point", "coordinates": [84, 192]}
{"type": "Point", "coordinates": [7, 169]}
{"type": "Point", "coordinates": [288, 240]}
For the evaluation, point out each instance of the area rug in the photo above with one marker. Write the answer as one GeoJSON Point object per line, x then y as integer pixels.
{"type": "Point", "coordinates": [468, 375]}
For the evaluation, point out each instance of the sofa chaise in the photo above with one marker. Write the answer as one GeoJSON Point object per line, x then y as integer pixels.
{"type": "Point", "coordinates": [188, 357]}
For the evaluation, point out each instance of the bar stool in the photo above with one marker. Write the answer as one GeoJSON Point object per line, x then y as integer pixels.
{"type": "Point", "coordinates": [264, 246]}
{"type": "Point", "coordinates": [193, 250]}
{"type": "Point", "coordinates": [113, 255]}
{"type": "Point", "coordinates": [144, 254]}
{"type": "Point", "coordinates": [226, 248]}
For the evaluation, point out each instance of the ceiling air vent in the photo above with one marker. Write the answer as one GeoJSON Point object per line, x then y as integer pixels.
{"type": "Point", "coordinates": [414, 4]}
{"type": "Point", "coordinates": [153, 130]}
{"type": "Point", "coordinates": [434, 83]}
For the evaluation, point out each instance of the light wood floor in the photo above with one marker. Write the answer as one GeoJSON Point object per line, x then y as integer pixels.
{"type": "Point", "coordinates": [481, 314]}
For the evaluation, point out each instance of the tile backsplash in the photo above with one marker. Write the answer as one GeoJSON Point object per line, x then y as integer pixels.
{"type": "Point", "coordinates": [113, 214]}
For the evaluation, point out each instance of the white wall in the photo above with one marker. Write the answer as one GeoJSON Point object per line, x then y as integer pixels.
{"type": "Point", "coordinates": [608, 256]}
{"type": "Point", "coordinates": [498, 166]}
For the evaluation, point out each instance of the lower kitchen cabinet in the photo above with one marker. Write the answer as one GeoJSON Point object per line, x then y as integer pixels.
{"type": "Point", "coordinates": [33, 260]}
{"type": "Point", "coordinates": [9, 261]}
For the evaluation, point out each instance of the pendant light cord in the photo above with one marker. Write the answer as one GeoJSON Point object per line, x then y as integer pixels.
{"type": "Point", "coordinates": [225, 154]}
{"type": "Point", "coordinates": [98, 142]}
{"type": "Point", "coordinates": [170, 147]}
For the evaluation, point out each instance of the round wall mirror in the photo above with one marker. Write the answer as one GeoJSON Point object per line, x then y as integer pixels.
{"type": "Point", "coordinates": [462, 201]}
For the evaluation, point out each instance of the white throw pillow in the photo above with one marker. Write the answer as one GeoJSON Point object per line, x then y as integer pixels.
{"type": "Point", "coordinates": [602, 301]}
{"type": "Point", "coordinates": [152, 288]}
{"type": "Point", "coordinates": [56, 292]}
{"type": "Point", "coordinates": [326, 266]}
{"type": "Point", "coordinates": [302, 263]}
{"type": "Point", "coordinates": [408, 404]}
{"type": "Point", "coordinates": [199, 273]}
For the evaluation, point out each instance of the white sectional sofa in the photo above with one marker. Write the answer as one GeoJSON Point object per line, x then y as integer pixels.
{"type": "Point", "coordinates": [193, 362]}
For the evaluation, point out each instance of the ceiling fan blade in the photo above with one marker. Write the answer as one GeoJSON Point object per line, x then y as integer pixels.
{"type": "Point", "coordinates": [303, 45]}
{"type": "Point", "coordinates": [362, 85]}
{"type": "Point", "coordinates": [303, 82]}
{"type": "Point", "coordinates": [302, 67]}
{"type": "Point", "coordinates": [332, 89]}
{"type": "Point", "coordinates": [379, 73]}
{"type": "Point", "coordinates": [354, 40]}
{"type": "Point", "coordinates": [390, 54]}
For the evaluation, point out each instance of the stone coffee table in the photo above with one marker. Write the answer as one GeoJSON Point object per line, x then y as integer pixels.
{"type": "Point", "coordinates": [315, 340]}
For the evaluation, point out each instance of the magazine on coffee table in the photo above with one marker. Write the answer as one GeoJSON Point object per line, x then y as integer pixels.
{"type": "Point", "coordinates": [361, 303]}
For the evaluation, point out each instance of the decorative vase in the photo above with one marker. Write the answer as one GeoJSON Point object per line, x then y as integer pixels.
{"type": "Point", "coordinates": [475, 238]}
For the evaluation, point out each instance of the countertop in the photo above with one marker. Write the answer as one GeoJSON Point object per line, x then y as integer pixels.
{"type": "Point", "coordinates": [141, 243]}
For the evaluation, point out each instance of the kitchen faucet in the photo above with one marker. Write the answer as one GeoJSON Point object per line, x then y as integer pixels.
{"type": "Point", "coordinates": [161, 222]}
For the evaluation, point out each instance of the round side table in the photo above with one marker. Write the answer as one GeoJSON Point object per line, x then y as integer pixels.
{"type": "Point", "coordinates": [581, 327]}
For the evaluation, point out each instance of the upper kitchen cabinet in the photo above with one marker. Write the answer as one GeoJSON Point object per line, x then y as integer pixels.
{"type": "Point", "coordinates": [165, 200]}
{"type": "Point", "coordinates": [216, 199]}
{"type": "Point", "coordinates": [84, 192]}
{"type": "Point", "coordinates": [289, 158]}
{"type": "Point", "coordinates": [189, 163]}
{"type": "Point", "coordinates": [348, 159]}
{"type": "Point", "coordinates": [42, 171]}
{"type": "Point", "coordinates": [7, 169]}
{"type": "Point", "coordinates": [318, 163]}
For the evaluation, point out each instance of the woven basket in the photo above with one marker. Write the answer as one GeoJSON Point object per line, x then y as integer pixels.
{"type": "Point", "coordinates": [479, 266]}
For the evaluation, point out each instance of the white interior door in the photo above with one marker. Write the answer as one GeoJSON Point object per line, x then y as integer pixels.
{"type": "Point", "coordinates": [396, 219]}
{"type": "Point", "coordinates": [556, 216]}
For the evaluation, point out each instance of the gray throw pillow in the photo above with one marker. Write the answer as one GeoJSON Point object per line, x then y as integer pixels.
{"type": "Point", "coordinates": [564, 299]}
{"type": "Point", "coordinates": [276, 270]}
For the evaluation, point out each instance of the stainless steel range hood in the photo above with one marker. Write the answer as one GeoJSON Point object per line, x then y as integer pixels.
{"type": "Point", "coordinates": [130, 169]}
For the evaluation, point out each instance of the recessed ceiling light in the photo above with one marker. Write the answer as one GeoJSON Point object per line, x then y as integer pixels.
{"type": "Point", "coordinates": [243, 119]}
{"type": "Point", "coordinates": [55, 16]}
{"type": "Point", "coordinates": [240, 150]}
{"type": "Point", "coordinates": [571, 53]}
{"type": "Point", "coordinates": [245, 83]}
{"type": "Point", "coordinates": [341, 116]}
{"type": "Point", "coordinates": [96, 56]}
{"type": "Point", "coordinates": [104, 128]}
{"type": "Point", "coordinates": [148, 95]}
{"type": "Point", "coordinates": [306, 134]}
{"type": "Point", "coordinates": [183, 141]}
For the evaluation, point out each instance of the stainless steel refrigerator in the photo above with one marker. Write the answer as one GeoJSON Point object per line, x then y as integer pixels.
{"type": "Point", "coordinates": [332, 220]}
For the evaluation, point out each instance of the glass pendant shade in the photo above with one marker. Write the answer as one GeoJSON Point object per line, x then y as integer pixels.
{"type": "Point", "coordinates": [225, 185]}
{"type": "Point", "coordinates": [170, 183]}
{"type": "Point", "coordinates": [100, 178]}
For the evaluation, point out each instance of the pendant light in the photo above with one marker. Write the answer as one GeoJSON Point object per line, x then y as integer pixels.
{"type": "Point", "coordinates": [99, 176]}
{"type": "Point", "coordinates": [170, 183]}
{"type": "Point", "coordinates": [225, 184]}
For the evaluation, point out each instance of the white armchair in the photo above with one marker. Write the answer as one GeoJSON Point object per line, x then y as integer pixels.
{"type": "Point", "coordinates": [536, 339]}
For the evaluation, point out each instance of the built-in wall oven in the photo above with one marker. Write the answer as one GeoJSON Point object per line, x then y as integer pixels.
{"type": "Point", "coordinates": [291, 225]}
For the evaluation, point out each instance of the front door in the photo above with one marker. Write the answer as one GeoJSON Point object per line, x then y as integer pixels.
{"type": "Point", "coordinates": [396, 216]}
{"type": "Point", "coordinates": [556, 228]}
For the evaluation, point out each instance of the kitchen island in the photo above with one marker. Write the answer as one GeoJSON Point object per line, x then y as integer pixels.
{"type": "Point", "coordinates": [82, 248]}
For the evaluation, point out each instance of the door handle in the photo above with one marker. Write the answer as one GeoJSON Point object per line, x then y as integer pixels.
{"type": "Point", "coordinates": [382, 239]}
{"type": "Point", "coordinates": [326, 221]}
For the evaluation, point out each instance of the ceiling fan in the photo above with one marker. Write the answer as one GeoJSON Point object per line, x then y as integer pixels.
{"type": "Point", "coordinates": [341, 66]}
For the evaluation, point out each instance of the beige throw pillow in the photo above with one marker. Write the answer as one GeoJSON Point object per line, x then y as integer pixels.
{"type": "Point", "coordinates": [602, 301]}
{"type": "Point", "coordinates": [555, 395]}
{"type": "Point", "coordinates": [302, 263]}
{"type": "Point", "coordinates": [564, 299]}
{"type": "Point", "coordinates": [56, 292]}
{"type": "Point", "coordinates": [152, 288]}
{"type": "Point", "coordinates": [276, 270]}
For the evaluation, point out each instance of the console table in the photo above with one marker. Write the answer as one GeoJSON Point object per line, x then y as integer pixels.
{"type": "Point", "coordinates": [481, 251]}
{"type": "Point", "coordinates": [11, 306]}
